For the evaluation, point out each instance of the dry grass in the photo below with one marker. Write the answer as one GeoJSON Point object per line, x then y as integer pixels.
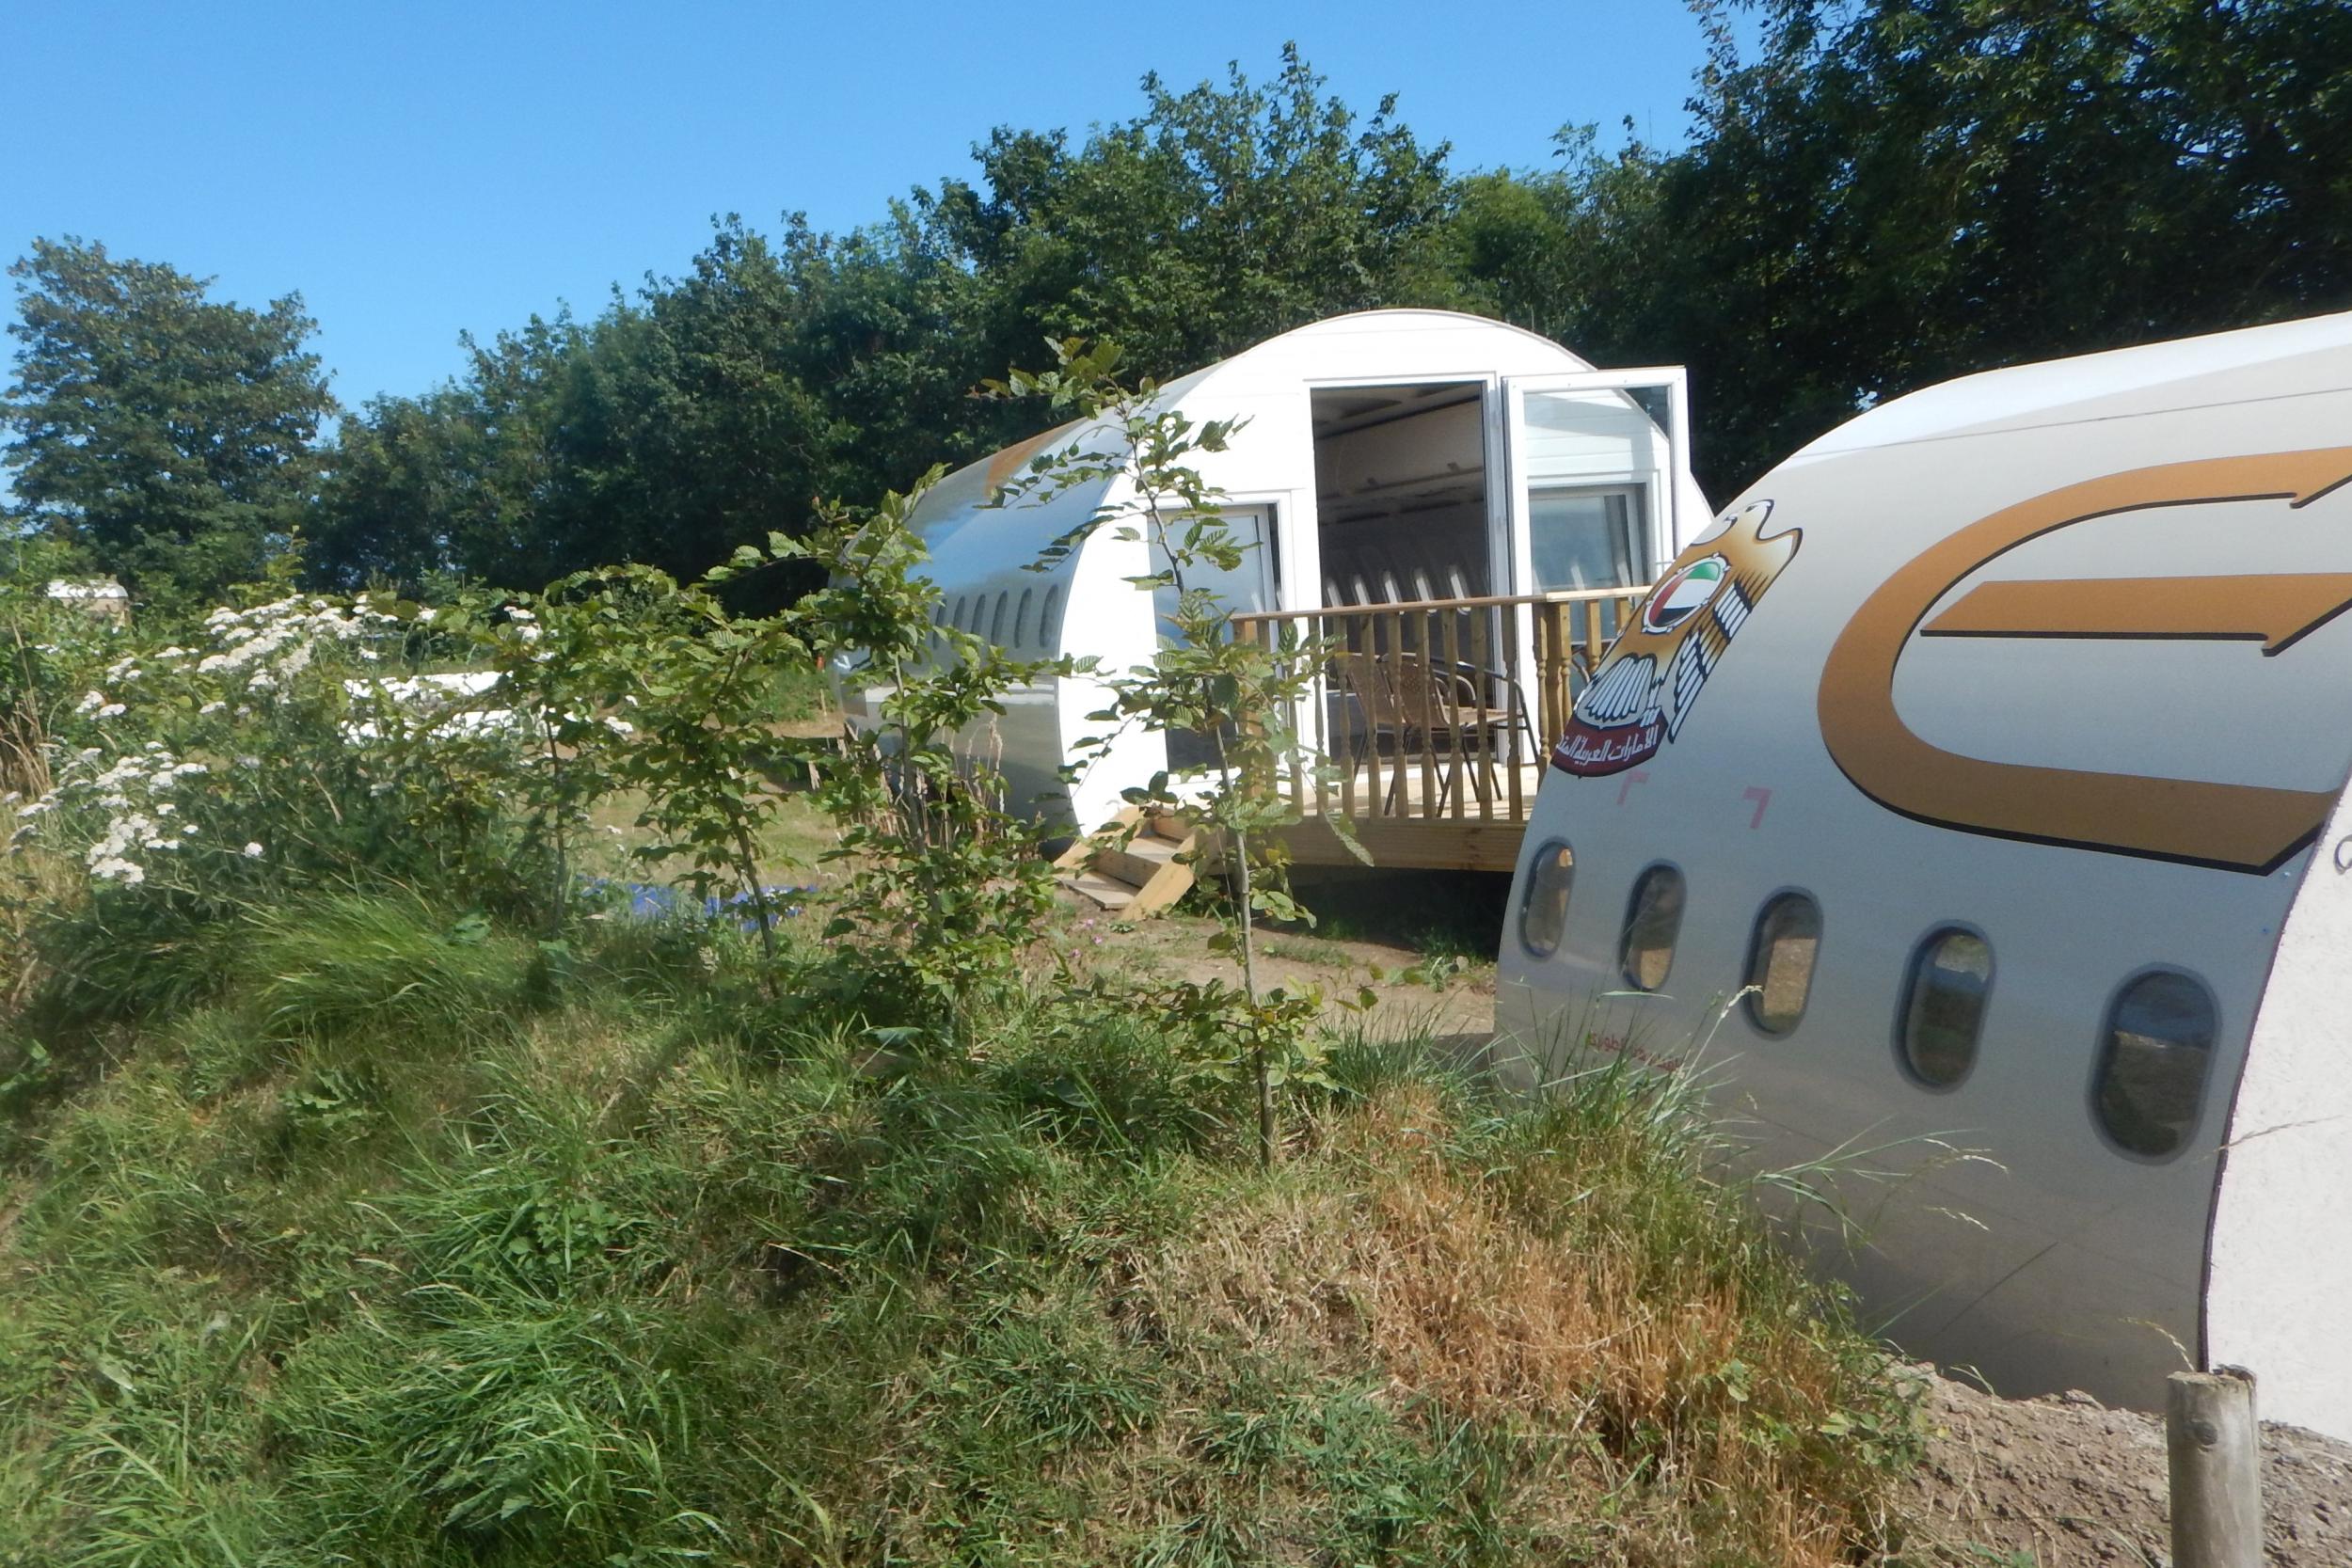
{"type": "Point", "coordinates": [1477, 1303]}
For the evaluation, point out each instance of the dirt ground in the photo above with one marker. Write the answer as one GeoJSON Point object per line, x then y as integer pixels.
{"type": "Point", "coordinates": [2047, 1482]}
{"type": "Point", "coordinates": [2069, 1482]}
{"type": "Point", "coordinates": [1451, 1004]}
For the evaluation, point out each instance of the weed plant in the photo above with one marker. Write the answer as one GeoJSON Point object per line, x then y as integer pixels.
{"type": "Point", "coordinates": [404, 1249]}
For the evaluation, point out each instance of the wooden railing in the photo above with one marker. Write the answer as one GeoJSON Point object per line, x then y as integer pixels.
{"type": "Point", "coordinates": [1439, 710]}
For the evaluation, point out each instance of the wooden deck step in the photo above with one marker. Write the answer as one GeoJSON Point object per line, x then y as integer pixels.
{"type": "Point", "coordinates": [1106, 891]}
{"type": "Point", "coordinates": [1138, 877]}
{"type": "Point", "coordinates": [1137, 861]}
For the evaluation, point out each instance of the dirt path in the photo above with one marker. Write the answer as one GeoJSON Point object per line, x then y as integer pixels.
{"type": "Point", "coordinates": [1414, 995]}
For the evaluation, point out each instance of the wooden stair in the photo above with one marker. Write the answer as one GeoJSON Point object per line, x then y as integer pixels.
{"type": "Point", "coordinates": [1134, 880]}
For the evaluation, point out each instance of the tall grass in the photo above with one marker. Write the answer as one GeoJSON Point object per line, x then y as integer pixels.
{"type": "Point", "coordinates": [404, 1249]}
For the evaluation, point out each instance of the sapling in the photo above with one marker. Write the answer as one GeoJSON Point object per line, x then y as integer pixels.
{"type": "Point", "coordinates": [946, 880]}
{"type": "Point", "coordinates": [1237, 690]}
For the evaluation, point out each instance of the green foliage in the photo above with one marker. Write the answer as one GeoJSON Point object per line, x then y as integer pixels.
{"type": "Point", "coordinates": [51, 652]}
{"type": "Point", "coordinates": [165, 436]}
{"type": "Point", "coordinates": [710, 408]}
{"type": "Point", "coordinates": [592, 1292]}
{"type": "Point", "coordinates": [947, 889]}
{"type": "Point", "coordinates": [328, 966]}
{"type": "Point", "coordinates": [1220, 216]}
{"type": "Point", "coordinates": [1891, 193]}
{"type": "Point", "coordinates": [277, 757]}
{"type": "Point", "coordinates": [1885, 194]}
{"type": "Point", "coordinates": [1238, 692]}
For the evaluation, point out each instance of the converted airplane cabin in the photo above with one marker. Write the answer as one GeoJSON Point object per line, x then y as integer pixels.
{"type": "Point", "coordinates": [1463, 510]}
{"type": "Point", "coordinates": [1969, 804]}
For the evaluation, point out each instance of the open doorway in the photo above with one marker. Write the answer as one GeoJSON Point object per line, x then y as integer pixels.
{"type": "Point", "coordinates": [1401, 493]}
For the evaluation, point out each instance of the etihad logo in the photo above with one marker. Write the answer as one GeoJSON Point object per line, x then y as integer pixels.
{"type": "Point", "coordinates": [1639, 697]}
{"type": "Point", "coordinates": [2234, 827]}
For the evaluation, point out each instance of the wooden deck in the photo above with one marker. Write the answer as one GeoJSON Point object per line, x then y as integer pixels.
{"type": "Point", "coordinates": [1433, 721]}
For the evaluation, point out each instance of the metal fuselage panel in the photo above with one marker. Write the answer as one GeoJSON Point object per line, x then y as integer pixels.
{"type": "Point", "coordinates": [1992, 775]}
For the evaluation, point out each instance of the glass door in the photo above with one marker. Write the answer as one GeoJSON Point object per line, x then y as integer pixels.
{"type": "Point", "coordinates": [1251, 587]}
{"type": "Point", "coordinates": [1595, 469]}
{"type": "Point", "coordinates": [1597, 463]}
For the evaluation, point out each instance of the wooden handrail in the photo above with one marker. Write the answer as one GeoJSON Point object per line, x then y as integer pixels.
{"type": "Point", "coordinates": [1487, 601]}
{"type": "Point", "coordinates": [1432, 711]}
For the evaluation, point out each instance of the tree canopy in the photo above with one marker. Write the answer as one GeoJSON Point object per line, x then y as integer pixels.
{"type": "Point", "coordinates": [1880, 195]}
{"type": "Point", "coordinates": [170, 436]}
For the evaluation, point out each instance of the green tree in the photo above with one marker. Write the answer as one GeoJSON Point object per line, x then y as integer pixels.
{"type": "Point", "coordinates": [166, 435]}
{"type": "Point", "coordinates": [1894, 192]}
{"type": "Point", "coordinates": [1236, 690]}
{"type": "Point", "coordinates": [1219, 217]}
{"type": "Point", "coordinates": [471, 478]}
{"type": "Point", "coordinates": [709, 408]}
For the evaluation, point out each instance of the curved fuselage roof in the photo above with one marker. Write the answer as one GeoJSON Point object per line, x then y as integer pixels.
{"type": "Point", "coordinates": [979, 549]}
{"type": "Point", "coordinates": [2053, 656]}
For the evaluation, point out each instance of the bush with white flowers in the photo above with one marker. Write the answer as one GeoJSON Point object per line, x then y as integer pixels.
{"type": "Point", "coordinates": [291, 746]}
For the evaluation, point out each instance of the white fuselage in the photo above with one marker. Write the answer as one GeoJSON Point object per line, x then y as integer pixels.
{"type": "Point", "coordinates": [2051, 657]}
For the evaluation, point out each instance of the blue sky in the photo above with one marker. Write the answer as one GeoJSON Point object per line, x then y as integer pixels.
{"type": "Point", "coordinates": [416, 170]}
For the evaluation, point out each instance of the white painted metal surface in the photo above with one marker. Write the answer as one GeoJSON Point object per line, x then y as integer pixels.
{"type": "Point", "coordinates": [981, 556]}
{"type": "Point", "coordinates": [1888, 676]}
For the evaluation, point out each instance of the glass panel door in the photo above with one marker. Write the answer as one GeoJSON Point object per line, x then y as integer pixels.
{"type": "Point", "coordinates": [1248, 588]}
{"type": "Point", "coordinates": [1597, 472]}
{"type": "Point", "coordinates": [1598, 466]}
{"type": "Point", "coordinates": [1586, 536]}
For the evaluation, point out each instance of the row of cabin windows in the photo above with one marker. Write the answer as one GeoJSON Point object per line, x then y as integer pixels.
{"type": "Point", "coordinates": [984, 617]}
{"type": "Point", "coordinates": [2155, 1046]}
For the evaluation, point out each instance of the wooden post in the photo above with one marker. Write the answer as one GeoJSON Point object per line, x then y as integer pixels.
{"type": "Point", "coordinates": [1517, 701]}
{"type": "Point", "coordinates": [2215, 1449]}
{"type": "Point", "coordinates": [1422, 704]}
{"type": "Point", "coordinates": [1352, 721]}
{"type": "Point", "coordinates": [1449, 673]}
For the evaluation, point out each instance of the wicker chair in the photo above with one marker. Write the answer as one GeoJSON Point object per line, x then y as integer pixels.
{"type": "Point", "coordinates": [1422, 708]}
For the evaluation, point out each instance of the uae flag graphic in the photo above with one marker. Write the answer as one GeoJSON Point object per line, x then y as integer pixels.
{"type": "Point", "coordinates": [1684, 594]}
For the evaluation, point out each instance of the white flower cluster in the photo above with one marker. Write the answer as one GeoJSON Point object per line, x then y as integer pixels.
{"type": "Point", "coordinates": [269, 645]}
{"type": "Point", "coordinates": [136, 793]}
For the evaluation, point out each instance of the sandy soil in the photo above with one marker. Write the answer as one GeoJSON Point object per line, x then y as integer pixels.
{"type": "Point", "coordinates": [2071, 1481]}
{"type": "Point", "coordinates": [1457, 1007]}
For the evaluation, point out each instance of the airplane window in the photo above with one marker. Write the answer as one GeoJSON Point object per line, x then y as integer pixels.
{"type": "Point", "coordinates": [1544, 911]}
{"type": "Point", "coordinates": [1780, 962]}
{"type": "Point", "coordinates": [1021, 619]}
{"type": "Point", "coordinates": [957, 619]}
{"type": "Point", "coordinates": [1951, 974]}
{"type": "Point", "coordinates": [2159, 1041]}
{"type": "Point", "coordinates": [1049, 618]}
{"type": "Point", "coordinates": [996, 622]}
{"type": "Point", "coordinates": [1652, 921]}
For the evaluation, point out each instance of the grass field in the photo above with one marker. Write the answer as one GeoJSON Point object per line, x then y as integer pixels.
{"type": "Point", "coordinates": [394, 1238]}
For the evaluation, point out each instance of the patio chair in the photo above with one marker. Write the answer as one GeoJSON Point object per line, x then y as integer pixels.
{"type": "Point", "coordinates": [1422, 708]}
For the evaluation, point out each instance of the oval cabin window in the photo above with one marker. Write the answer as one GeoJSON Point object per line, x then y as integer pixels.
{"type": "Point", "coordinates": [1652, 921]}
{"type": "Point", "coordinates": [1951, 974]}
{"type": "Point", "coordinates": [1020, 620]}
{"type": "Point", "coordinates": [1544, 909]}
{"type": "Point", "coordinates": [2151, 1071]}
{"type": "Point", "coordinates": [1049, 618]}
{"type": "Point", "coordinates": [996, 622]}
{"type": "Point", "coordinates": [1780, 962]}
{"type": "Point", "coordinates": [957, 619]}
